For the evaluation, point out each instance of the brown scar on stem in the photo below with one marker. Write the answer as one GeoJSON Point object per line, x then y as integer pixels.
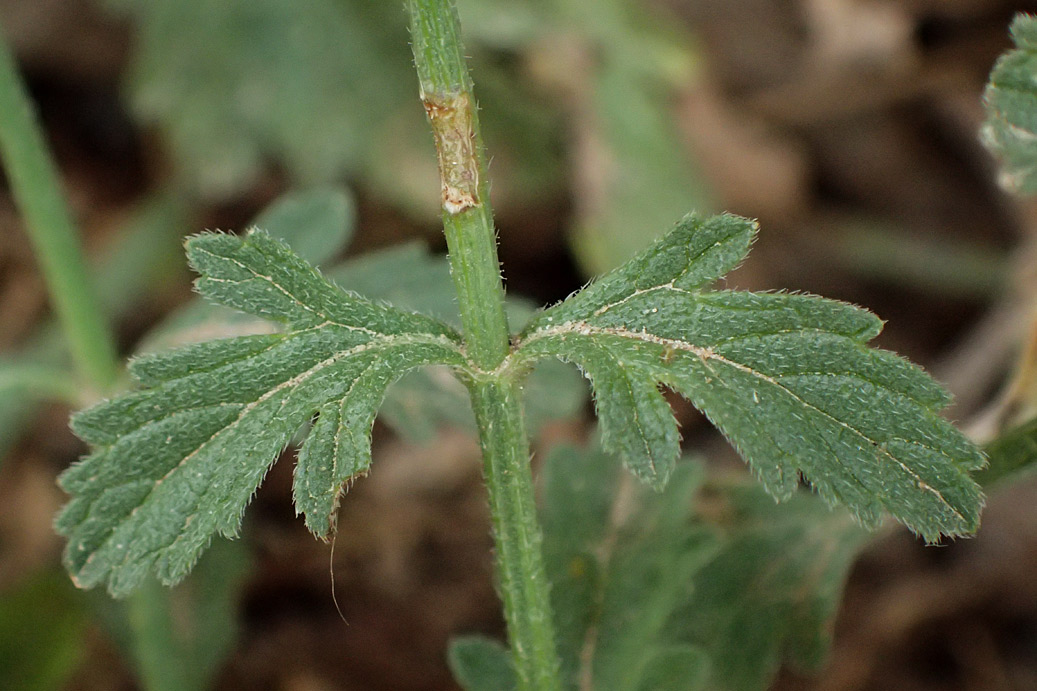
{"type": "Point", "coordinates": [454, 131]}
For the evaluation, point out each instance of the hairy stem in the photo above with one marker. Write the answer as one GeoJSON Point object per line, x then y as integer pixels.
{"type": "Point", "coordinates": [446, 92]}
{"type": "Point", "coordinates": [520, 565]}
{"type": "Point", "coordinates": [38, 195]}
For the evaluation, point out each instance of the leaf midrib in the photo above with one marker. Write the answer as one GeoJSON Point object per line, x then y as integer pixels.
{"type": "Point", "coordinates": [384, 340]}
{"type": "Point", "coordinates": [582, 328]}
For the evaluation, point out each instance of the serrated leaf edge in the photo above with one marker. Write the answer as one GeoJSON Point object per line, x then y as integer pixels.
{"type": "Point", "coordinates": [705, 354]}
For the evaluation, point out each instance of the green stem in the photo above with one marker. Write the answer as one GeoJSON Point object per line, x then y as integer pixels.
{"type": "Point", "coordinates": [446, 91]}
{"type": "Point", "coordinates": [520, 564]}
{"type": "Point", "coordinates": [38, 195]}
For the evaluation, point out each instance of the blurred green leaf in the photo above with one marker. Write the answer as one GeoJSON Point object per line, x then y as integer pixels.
{"type": "Point", "coordinates": [772, 591]}
{"type": "Point", "coordinates": [620, 558]}
{"type": "Point", "coordinates": [178, 638]}
{"type": "Point", "coordinates": [1011, 103]}
{"type": "Point", "coordinates": [1012, 455]}
{"type": "Point", "coordinates": [481, 664]}
{"type": "Point", "coordinates": [42, 628]}
{"type": "Point", "coordinates": [233, 83]}
{"type": "Point", "coordinates": [316, 223]}
{"type": "Point", "coordinates": [675, 667]}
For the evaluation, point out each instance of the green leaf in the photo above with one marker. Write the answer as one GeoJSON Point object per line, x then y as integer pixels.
{"type": "Point", "coordinates": [177, 462]}
{"type": "Point", "coordinates": [787, 378]}
{"type": "Point", "coordinates": [43, 633]}
{"type": "Point", "coordinates": [1012, 455]}
{"type": "Point", "coordinates": [317, 224]}
{"type": "Point", "coordinates": [178, 638]}
{"type": "Point", "coordinates": [481, 664]}
{"type": "Point", "coordinates": [307, 86]}
{"type": "Point", "coordinates": [411, 278]}
{"type": "Point", "coordinates": [620, 559]}
{"type": "Point", "coordinates": [1010, 131]}
{"type": "Point", "coordinates": [682, 667]}
{"type": "Point", "coordinates": [773, 589]}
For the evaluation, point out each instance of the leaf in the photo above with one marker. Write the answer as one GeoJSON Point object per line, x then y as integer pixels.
{"type": "Point", "coordinates": [1013, 455]}
{"type": "Point", "coordinates": [43, 633]}
{"type": "Point", "coordinates": [308, 87]}
{"type": "Point", "coordinates": [317, 223]}
{"type": "Point", "coordinates": [787, 378]}
{"type": "Point", "coordinates": [637, 176]}
{"type": "Point", "coordinates": [676, 667]}
{"type": "Point", "coordinates": [177, 462]}
{"type": "Point", "coordinates": [481, 664]}
{"type": "Point", "coordinates": [620, 558]}
{"type": "Point", "coordinates": [411, 278]}
{"type": "Point", "coordinates": [178, 638]}
{"type": "Point", "coordinates": [1010, 131]}
{"type": "Point", "coordinates": [772, 591]}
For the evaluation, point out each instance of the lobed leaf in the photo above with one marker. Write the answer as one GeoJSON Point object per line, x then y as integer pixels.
{"type": "Point", "coordinates": [787, 378]}
{"type": "Point", "coordinates": [409, 277]}
{"type": "Point", "coordinates": [1010, 131]}
{"type": "Point", "coordinates": [177, 461]}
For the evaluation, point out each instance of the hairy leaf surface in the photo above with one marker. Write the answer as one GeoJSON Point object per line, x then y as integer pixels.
{"type": "Point", "coordinates": [787, 378]}
{"type": "Point", "coordinates": [179, 460]}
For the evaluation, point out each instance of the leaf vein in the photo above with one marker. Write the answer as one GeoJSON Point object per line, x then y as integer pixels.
{"type": "Point", "coordinates": [584, 328]}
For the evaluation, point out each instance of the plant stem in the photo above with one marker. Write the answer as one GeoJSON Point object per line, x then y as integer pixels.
{"type": "Point", "coordinates": [520, 564]}
{"type": "Point", "coordinates": [38, 195]}
{"type": "Point", "coordinates": [446, 91]}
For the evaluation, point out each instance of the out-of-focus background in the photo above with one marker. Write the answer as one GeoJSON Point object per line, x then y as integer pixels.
{"type": "Point", "coordinates": [849, 128]}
